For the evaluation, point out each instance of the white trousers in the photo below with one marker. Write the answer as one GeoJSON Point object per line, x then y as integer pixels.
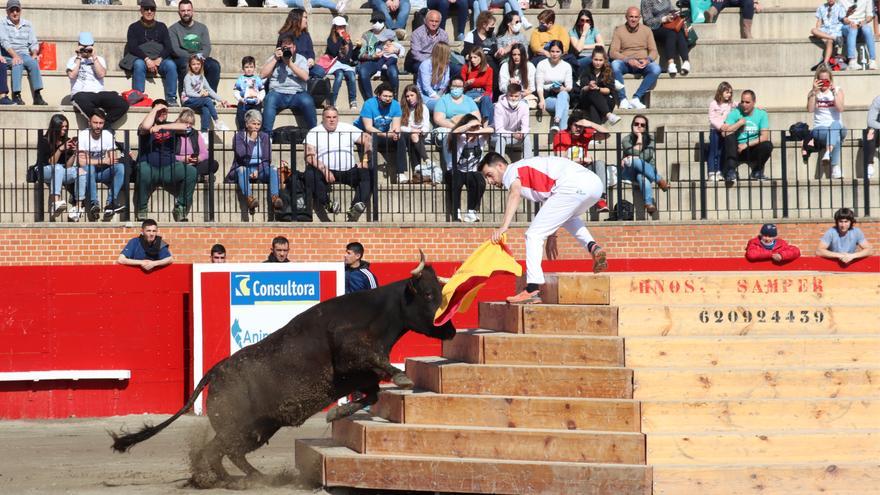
{"type": "Point", "coordinates": [570, 201]}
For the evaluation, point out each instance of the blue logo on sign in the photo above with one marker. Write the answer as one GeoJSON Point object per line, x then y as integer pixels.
{"type": "Point", "coordinates": [243, 337]}
{"type": "Point", "coordinates": [251, 288]}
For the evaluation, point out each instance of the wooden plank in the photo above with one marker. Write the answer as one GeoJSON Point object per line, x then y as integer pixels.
{"type": "Point", "coordinates": [425, 372]}
{"type": "Point", "coordinates": [548, 319]}
{"type": "Point", "coordinates": [350, 433]}
{"type": "Point", "coordinates": [764, 352]}
{"type": "Point", "coordinates": [837, 478]}
{"type": "Point", "coordinates": [502, 348]}
{"type": "Point", "coordinates": [501, 316]}
{"type": "Point", "coordinates": [572, 288]}
{"type": "Point", "coordinates": [544, 381]}
{"type": "Point", "coordinates": [751, 319]}
{"type": "Point", "coordinates": [309, 458]}
{"type": "Point", "coordinates": [391, 405]}
{"type": "Point", "coordinates": [674, 384]}
{"type": "Point", "coordinates": [759, 414]}
{"type": "Point", "coordinates": [764, 447]}
{"type": "Point", "coordinates": [467, 346]}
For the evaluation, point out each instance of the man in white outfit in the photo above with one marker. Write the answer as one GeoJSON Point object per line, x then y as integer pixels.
{"type": "Point", "coordinates": [566, 189]}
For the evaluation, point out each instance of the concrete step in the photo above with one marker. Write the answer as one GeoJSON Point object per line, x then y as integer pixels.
{"type": "Point", "coordinates": [428, 408]}
{"type": "Point", "coordinates": [549, 319]}
{"type": "Point", "coordinates": [489, 347]}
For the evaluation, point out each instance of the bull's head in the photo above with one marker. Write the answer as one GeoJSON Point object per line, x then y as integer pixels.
{"type": "Point", "coordinates": [423, 297]}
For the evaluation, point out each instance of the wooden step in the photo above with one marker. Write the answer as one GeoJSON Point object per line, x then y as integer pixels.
{"type": "Point", "coordinates": [760, 414]}
{"type": "Point", "coordinates": [449, 377]}
{"type": "Point", "coordinates": [767, 352]}
{"type": "Point", "coordinates": [765, 447]}
{"type": "Point", "coordinates": [549, 318]}
{"type": "Point", "coordinates": [751, 319]}
{"type": "Point", "coordinates": [403, 406]}
{"type": "Point", "coordinates": [490, 347]}
{"type": "Point", "coordinates": [368, 435]}
{"type": "Point", "coordinates": [838, 478]}
{"type": "Point", "coordinates": [323, 462]}
{"type": "Point", "coordinates": [697, 383]}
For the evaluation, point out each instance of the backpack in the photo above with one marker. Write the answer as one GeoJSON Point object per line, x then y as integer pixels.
{"type": "Point", "coordinates": [623, 211]}
{"type": "Point", "coordinates": [799, 131]}
{"type": "Point", "coordinates": [289, 134]}
{"type": "Point", "coordinates": [320, 91]}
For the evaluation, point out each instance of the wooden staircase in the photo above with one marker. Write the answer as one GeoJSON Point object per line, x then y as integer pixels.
{"type": "Point", "coordinates": [685, 383]}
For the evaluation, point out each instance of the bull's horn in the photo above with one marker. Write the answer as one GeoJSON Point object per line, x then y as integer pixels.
{"type": "Point", "coordinates": [443, 280]}
{"type": "Point", "coordinates": [417, 271]}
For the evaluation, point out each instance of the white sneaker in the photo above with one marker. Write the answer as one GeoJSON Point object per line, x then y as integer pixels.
{"type": "Point", "coordinates": [872, 167]}
{"type": "Point", "coordinates": [685, 67]}
{"type": "Point", "coordinates": [74, 213]}
{"type": "Point", "coordinates": [826, 159]}
{"type": "Point", "coordinates": [205, 136]}
{"type": "Point", "coordinates": [402, 178]}
{"type": "Point", "coordinates": [58, 208]}
{"type": "Point", "coordinates": [219, 125]}
{"type": "Point", "coordinates": [618, 85]}
{"type": "Point", "coordinates": [554, 128]}
{"type": "Point", "coordinates": [637, 104]}
{"type": "Point", "coordinates": [340, 6]}
{"type": "Point", "coordinates": [613, 118]}
{"type": "Point", "coordinates": [470, 217]}
{"type": "Point", "coordinates": [278, 4]}
{"type": "Point", "coordinates": [526, 24]}
{"type": "Point", "coordinates": [836, 173]}
{"type": "Point", "coordinates": [242, 3]}
{"type": "Point", "coordinates": [625, 104]}
{"type": "Point", "coordinates": [671, 69]}
{"type": "Point", "coordinates": [872, 65]}
{"type": "Point", "coordinates": [853, 64]}
{"type": "Point", "coordinates": [458, 215]}
{"type": "Point", "coordinates": [172, 3]}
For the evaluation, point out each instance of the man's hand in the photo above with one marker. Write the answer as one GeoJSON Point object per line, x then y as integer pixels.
{"type": "Point", "coordinates": [846, 258]}
{"type": "Point", "coordinates": [518, 136]}
{"type": "Point", "coordinates": [279, 54]}
{"type": "Point", "coordinates": [741, 147]}
{"type": "Point", "coordinates": [497, 233]}
{"type": "Point", "coordinates": [328, 175]}
{"type": "Point", "coordinates": [776, 257]}
{"type": "Point", "coordinates": [16, 60]}
{"type": "Point", "coordinates": [551, 249]}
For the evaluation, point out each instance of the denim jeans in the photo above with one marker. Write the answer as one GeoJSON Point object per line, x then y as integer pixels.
{"type": "Point", "coordinates": [265, 175]}
{"type": "Point", "coordinates": [211, 70]}
{"type": "Point", "coordinates": [300, 104]}
{"type": "Point", "coordinates": [205, 106]}
{"type": "Point", "coordinates": [338, 76]}
{"type": "Point", "coordinates": [365, 71]}
{"type": "Point", "coordinates": [430, 103]}
{"type": "Point", "coordinates": [487, 110]}
{"type": "Point", "coordinates": [57, 175]}
{"type": "Point", "coordinates": [716, 151]}
{"type": "Point", "coordinates": [168, 71]}
{"type": "Point", "coordinates": [558, 105]}
{"type": "Point", "coordinates": [110, 175]}
{"type": "Point", "coordinates": [461, 7]}
{"type": "Point", "coordinates": [299, 4]}
{"type": "Point", "coordinates": [747, 7]}
{"type": "Point", "coordinates": [242, 109]}
{"type": "Point", "coordinates": [830, 136]}
{"type": "Point", "coordinates": [643, 174]}
{"type": "Point", "coordinates": [650, 74]}
{"type": "Point", "coordinates": [32, 67]}
{"type": "Point", "coordinates": [390, 22]}
{"type": "Point", "coordinates": [849, 33]}
{"type": "Point", "coordinates": [481, 5]}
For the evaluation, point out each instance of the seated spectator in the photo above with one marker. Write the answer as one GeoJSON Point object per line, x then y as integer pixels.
{"type": "Point", "coordinates": [638, 161]}
{"type": "Point", "coordinates": [826, 101]}
{"type": "Point", "coordinates": [218, 253]}
{"type": "Point", "coordinates": [461, 14]}
{"type": "Point", "coordinates": [249, 91]}
{"type": "Point", "coordinates": [380, 120]}
{"type": "Point", "coordinates": [156, 164]}
{"type": "Point", "coordinates": [335, 8]}
{"type": "Point", "coordinates": [872, 138]}
{"type": "Point", "coordinates": [331, 158]}
{"type": "Point", "coordinates": [86, 71]}
{"type": "Point", "coordinates": [423, 40]}
{"type": "Point", "coordinates": [829, 26]}
{"type": "Point", "coordinates": [415, 125]}
{"type": "Point", "coordinates": [510, 33]}
{"type": "Point", "coordinates": [56, 154]}
{"type": "Point", "coordinates": [585, 38]}
{"type": "Point", "coordinates": [553, 81]}
{"type": "Point", "coordinates": [148, 52]}
{"type": "Point", "coordinates": [192, 148]}
{"type": "Point", "coordinates": [547, 31]}
{"type": "Point", "coordinates": [512, 121]}
{"type": "Point", "coordinates": [747, 11]}
{"type": "Point", "coordinates": [297, 27]}
{"type": "Point", "coordinates": [844, 242]}
{"type": "Point", "coordinates": [520, 71]}
{"type": "Point", "coordinates": [482, 37]}
{"type": "Point", "coordinates": [670, 31]}
{"type": "Point", "coordinates": [467, 141]}
{"type": "Point", "coordinates": [198, 95]}
{"type": "Point", "coordinates": [768, 247]}
{"type": "Point", "coordinates": [148, 250]}
{"type": "Point", "coordinates": [253, 162]}
{"type": "Point", "coordinates": [480, 6]}
{"type": "Point", "coordinates": [379, 54]}
{"type": "Point", "coordinates": [747, 138]}
{"type": "Point", "coordinates": [97, 153]}
{"type": "Point", "coordinates": [633, 51]}
{"type": "Point", "coordinates": [478, 76]}
{"type": "Point", "coordinates": [574, 143]}
{"type": "Point", "coordinates": [341, 50]}
{"type": "Point", "coordinates": [597, 95]}
{"type": "Point", "coordinates": [858, 20]}
{"type": "Point", "coordinates": [433, 78]}
{"type": "Point", "coordinates": [287, 73]}
{"type": "Point", "coordinates": [280, 250]}
{"type": "Point", "coordinates": [719, 108]}
{"type": "Point", "coordinates": [395, 14]}
{"type": "Point", "coordinates": [357, 271]}
{"type": "Point", "coordinates": [188, 38]}
{"type": "Point", "coordinates": [18, 40]}
{"type": "Point", "coordinates": [451, 108]}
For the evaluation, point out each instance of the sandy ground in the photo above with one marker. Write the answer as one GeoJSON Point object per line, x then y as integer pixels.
{"type": "Point", "coordinates": [74, 456]}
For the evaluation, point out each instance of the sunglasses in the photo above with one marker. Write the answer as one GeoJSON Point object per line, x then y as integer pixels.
{"type": "Point", "coordinates": [149, 9]}
{"type": "Point", "coordinates": [583, 20]}
{"type": "Point", "coordinates": [639, 124]}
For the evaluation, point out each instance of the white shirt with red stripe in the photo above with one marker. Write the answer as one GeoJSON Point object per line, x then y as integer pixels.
{"type": "Point", "coordinates": [540, 175]}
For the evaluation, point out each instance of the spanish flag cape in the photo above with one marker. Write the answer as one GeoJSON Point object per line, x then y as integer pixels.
{"type": "Point", "coordinates": [458, 294]}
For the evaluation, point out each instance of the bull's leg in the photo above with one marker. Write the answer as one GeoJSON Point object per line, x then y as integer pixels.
{"type": "Point", "coordinates": [370, 397]}
{"type": "Point", "coordinates": [246, 467]}
{"type": "Point", "coordinates": [208, 467]}
{"type": "Point", "coordinates": [383, 367]}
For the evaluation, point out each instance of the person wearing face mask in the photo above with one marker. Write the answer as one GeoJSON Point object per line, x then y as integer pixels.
{"type": "Point", "coordinates": [513, 6]}
{"type": "Point", "coordinates": [768, 247]}
{"type": "Point", "coordinates": [379, 53]}
{"type": "Point", "coordinates": [547, 31]}
{"type": "Point", "coordinates": [509, 35]}
{"type": "Point", "coordinates": [512, 121]}
{"type": "Point", "coordinates": [451, 108]}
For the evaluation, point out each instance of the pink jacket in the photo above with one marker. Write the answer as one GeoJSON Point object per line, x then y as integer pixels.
{"type": "Point", "coordinates": [508, 119]}
{"type": "Point", "coordinates": [718, 113]}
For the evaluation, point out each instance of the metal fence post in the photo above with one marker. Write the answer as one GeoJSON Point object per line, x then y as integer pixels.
{"type": "Point", "coordinates": [784, 165]}
{"type": "Point", "coordinates": [866, 181]}
{"type": "Point", "coordinates": [703, 164]}
{"type": "Point", "coordinates": [39, 198]}
{"type": "Point", "coordinates": [125, 214]}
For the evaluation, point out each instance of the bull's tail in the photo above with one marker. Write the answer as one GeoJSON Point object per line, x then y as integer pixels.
{"type": "Point", "coordinates": [123, 442]}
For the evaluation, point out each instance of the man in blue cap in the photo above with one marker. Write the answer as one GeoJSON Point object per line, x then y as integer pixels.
{"type": "Point", "coordinates": [767, 246]}
{"type": "Point", "coordinates": [86, 71]}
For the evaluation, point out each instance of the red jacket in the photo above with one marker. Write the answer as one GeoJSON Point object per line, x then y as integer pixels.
{"type": "Point", "coordinates": [755, 251]}
{"type": "Point", "coordinates": [482, 80]}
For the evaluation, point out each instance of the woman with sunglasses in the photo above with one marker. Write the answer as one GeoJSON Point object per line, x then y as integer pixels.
{"type": "Point", "coordinates": [670, 32]}
{"type": "Point", "coordinates": [638, 162]}
{"type": "Point", "coordinates": [553, 80]}
{"type": "Point", "coordinates": [584, 39]}
{"type": "Point", "coordinates": [509, 35]}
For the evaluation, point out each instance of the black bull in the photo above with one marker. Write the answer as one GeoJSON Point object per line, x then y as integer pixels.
{"type": "Point", "coordinates": [329, 351]}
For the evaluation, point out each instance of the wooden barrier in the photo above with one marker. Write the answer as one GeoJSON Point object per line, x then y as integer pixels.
{"type": "Point", "coordinates": [487, 347]}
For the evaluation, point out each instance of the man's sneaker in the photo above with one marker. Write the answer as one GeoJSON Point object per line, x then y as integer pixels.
{"type": "Point", "coordinates": [618, 85]}
{"type": "Point", "coordinates": [17, 100]}
{"type": "Point", "coordinates": [58, 208]}
{"type": "Point", "coordinates": [872, 65]}
{"type": "Point", "coordinates": [613, 118]}
{"type": "Point", "coordinates": [671, 69]}
{"type": "Point", "coordinates": [526, 24]}
{"type": "Point", "coordinates": [277, 203]}
{"type": "Point", "coordinates": [355, 211]}
{"type": "Point", "coordinates": [179, 214]}
{"type": "Point", "coordinates": [637, 104]}
{"type": "Point", "coordinates": [74, 213]}
{"type": "Point", "coordinates": [141, 215]}
{"type": "Point", "coordinates": [94, 212]}
{"type": "Point", "coordinates": [6, 101]}
{"type": "Point", "coordinates": [836, 172]}
{"type": "Point", "coordinates": [333, 206]}
{"type": "Point", "coordinates": [758, 175]}
{"type": "Point", "coordinates": [111, 209]}
{"type": "Point", "coordinates": [278, 4]}
{"type": "Point", "coordinates": [872, 167]}
{"type": "Point", "coordinates": [38, 99]}
{"type": "Point", "coordinates": [730, 178]}
{"type": "Point", "coordinates": [219, 125]}
{"type": "Point", "coordinates": [853, 64]}
{"type": "Point", "coordinates": [471, 216]}
{"type": "Point", "coordinates": [252, 204]}
{"type": "Point", "coordinates": [602, 205]}
{"type": "Point", "coordinates": [600, 259]}
{"type": "Point", "coordinates": [402, 178]}
{"type": "Point", "coordinates": [400, 33]}
{"type": "Point", "coordinates": [826, 158]}
{"type": "Point", "coordinates": [525, 297]}
{"type": "Point", "coordinates": [625, 104]}
{"type": "Point", "coordinates": [685, 67]}
{"type": "Point", "coordinates": [242, 3]}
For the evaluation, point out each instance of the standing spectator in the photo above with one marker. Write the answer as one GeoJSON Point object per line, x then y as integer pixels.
{"type": "Point", "coordinates": [97, 152]}
{"type": "Point", "coordinates": [461, 14]}
{"type": "Point", "coordinates": [860, 14]}
{"type": "Point", "coordinates": [198, 95]}
{"type": "Point", "coordinates": [634, 51]}
{"type": "Point", "coordinates": [826, 101]}
{"type": "Point", "coordinates": [249, 91]}
{"type": "Point", "coordinates": [280, 250]}
{"type": "Point", "coordinates": [86, 71]}
{"type": "Point", "coordinates": [585, 38]}
{"type": "Point", "coordinates": [478, 76]}
{"type": "Point", "coordinates": [747, 138]}
{"type": "Point", "coordinates": [553, 80]}
{"type": "Point", "coordinates": [433, 78]}
{"type": "Point", "coordinates": [512, 121]}
{"type": "Point", "coordinates": [297, 27]}
{"type": "Point", "coordinates": [415, 122]}
{"type": "Point", "coordinates": [509, 34]}
{"type": "Point", "coordinates": [148, 52]}
{"type": "Point", "coordinates": [380, 120]}
{"type": "Point", "coordinates": [451, 108]}
{"type": "Point", "coordinates": [844, 242]}
{"type": "Point", "coordinates": [467, 141]}
{"type": "Point", "coordinates": [395, 14]}
{"type": "Point", "coordinates": [287, 72]}
{"type": "Point", "coordinates": [829, 26]}
{"type": "Point", "coordinates": [148, 251]}
{"type": "Point", "coordinates": [357, 271]}
{"type": "Point", "coordinates": [597, 89]}
{"type": "Point", "coordinates": [218, 253]}
{"type": "Point", "coordinates": [188, 38]}
{"type": "Point", "coordinates": [423, 40]}
{"type": "Point", "coordinates": [768, 247]}
{"type": "Point", "coordinates": [574, 143]}
{"type": "Point", "coordinates": [719, 108]}
{"type": "Point", "coordinates": [747, 11]}
{"type": "Point", "coordinates": [638, 161]}
{"type": "Point", "coordinates": [519, 70]}
{"type": "Point", "coordinates": [872, 139]}
{"type": "Point", "coordinates": [56, 154]}
{"type": "Point", "coordinates": [379, 54]}
{"type": "Point", "coordinates": [341, 49]}
{"type": "Point", "coordinates": [331, 158]}
{"type": "Point", "coordinates": [253, 161]}
{"type": "Point", "coordinates": [659, 15]}
{"type": "Point", "coordinates": [18, 40]}
{"type": "Point", "coordinates": [547, 31]}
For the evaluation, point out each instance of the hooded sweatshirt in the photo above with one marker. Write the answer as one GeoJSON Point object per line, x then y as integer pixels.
{"type": "Point", "coordinates": [511, 119]}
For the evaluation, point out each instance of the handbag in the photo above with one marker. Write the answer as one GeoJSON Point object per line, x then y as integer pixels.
{"type": "Point", "coordinates": [48, 59]}
{"type": "Point", "coordinates": [326, 61]}
{"type": "Point", "coordinates": [676, 24]}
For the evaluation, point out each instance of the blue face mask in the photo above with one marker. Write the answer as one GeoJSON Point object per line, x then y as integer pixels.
{"type": "Point", "coordinates": [456, 92]}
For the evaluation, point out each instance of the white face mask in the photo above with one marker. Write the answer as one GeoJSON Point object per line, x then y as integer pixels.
{"type": "Point", "coordinates": [378, 26]}
{"type": "Point", "coordinates": [516, 28]}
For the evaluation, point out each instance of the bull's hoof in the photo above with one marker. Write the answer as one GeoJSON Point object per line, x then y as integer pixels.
{"type": "Point", "coordinates": [333, 414]}
{"type": "Point", "coordinates": [402, 381]}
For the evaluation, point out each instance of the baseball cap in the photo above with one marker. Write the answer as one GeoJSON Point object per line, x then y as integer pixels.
{"type": "Point", "coordinates": [769, 230]}
{"type": "Point", "coordinates": [340, 21]}
{"type": "Point", "coordinates": [86, 39]}
{"type": "Point", "coordinates": [12, 4]}
{"type": "Point", "coordinates": [147, 3]}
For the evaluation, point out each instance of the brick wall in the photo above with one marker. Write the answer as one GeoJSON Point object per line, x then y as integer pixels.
{"type": "Point", "coordinates": [44, 245]}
